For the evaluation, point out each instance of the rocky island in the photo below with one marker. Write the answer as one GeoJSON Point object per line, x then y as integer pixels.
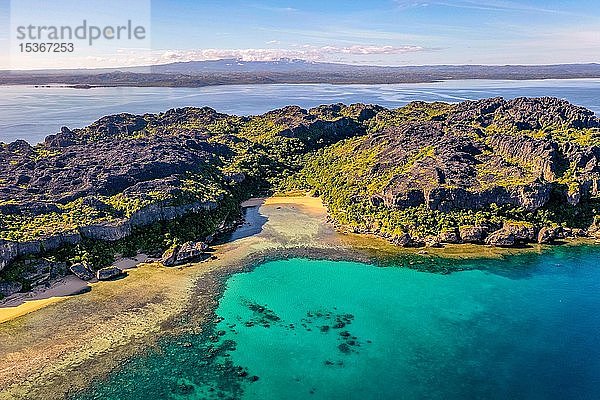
{"type": "Point", "coordinates": [492, 172]}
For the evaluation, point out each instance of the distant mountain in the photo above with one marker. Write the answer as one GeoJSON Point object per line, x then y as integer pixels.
{"type": "Point", "coordinates": [232, 71]}
{"type": "Point", "coordinates": [288, 66]}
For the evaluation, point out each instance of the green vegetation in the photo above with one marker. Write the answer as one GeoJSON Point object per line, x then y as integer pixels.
{"type": "Point", "coordinates": [345, 154]}
{"type": "Point", "coordinates": [416, 111]}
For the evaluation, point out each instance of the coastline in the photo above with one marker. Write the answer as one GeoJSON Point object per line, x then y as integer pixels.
{"type": "Point", "coordinates": [113, 320]}
{"type": "Point", "coordinates": [60, 289]}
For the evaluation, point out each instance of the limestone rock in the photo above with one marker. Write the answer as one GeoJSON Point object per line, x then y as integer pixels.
{"type": "Point", "coordinates": [169, 257]}
{"type": "Point", "coordinates": [522, 231]}
{"type": "Point", "coordinates": [403, 240]}
{"type": "Point", "coordinates": [546, 235]}
{"type": "Point", "coordinates": [432, 241]}
{"type": "Point", "coordinates": [104, 274]}
{"type": "Point", "coordinates": [190, 251]}
{"type": "Point", "coordinates": [473, 234]}
{"type": "Point", "coordinates": [8, 252]}
{"type": "Point", "coordinates": [81, 271]}
{"type": "Point", "coordinates": [501, 238]}
{"type": "Point", "coordinates": [450, 236]}
{"type": "Point", "coordinates": [578, 232]}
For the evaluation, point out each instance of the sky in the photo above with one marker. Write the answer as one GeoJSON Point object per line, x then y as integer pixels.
{"type": "Point", "coordinates": [377, 32]}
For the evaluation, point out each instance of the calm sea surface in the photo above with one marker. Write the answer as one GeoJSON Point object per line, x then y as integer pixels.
{"type": "Point", "coordinates": [525, 327]}
{"type": "Point", "coordinates": [33, 113]}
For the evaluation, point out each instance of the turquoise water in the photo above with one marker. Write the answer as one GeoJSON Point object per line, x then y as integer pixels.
{"type": "Point", "coordinates": [527, 327]}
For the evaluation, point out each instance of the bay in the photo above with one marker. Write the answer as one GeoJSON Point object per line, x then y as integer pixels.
{"type": "Point", "coordinates": [524, 327]}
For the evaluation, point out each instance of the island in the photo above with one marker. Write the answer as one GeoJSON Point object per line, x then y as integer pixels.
{"type": "Point", "coordinates": [491, 172]}
{"type": "Point", "coordinates": [236, 71]}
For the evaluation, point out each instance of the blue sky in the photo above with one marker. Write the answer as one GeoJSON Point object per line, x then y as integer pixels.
{"type": "Point", "coordinates": [415, 32]}
{"type": "Point", "coordinates": [383, 32]}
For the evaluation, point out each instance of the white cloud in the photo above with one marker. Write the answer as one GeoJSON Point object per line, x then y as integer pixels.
{"type": "Point", "coordinates": [124, 57]}
{"type": "Point", "coordinates": [307, 52]}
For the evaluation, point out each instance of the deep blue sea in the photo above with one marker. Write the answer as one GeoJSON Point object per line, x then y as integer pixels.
{"type": "Point", "coordinates": [31, 113]}
{"type": "Point", "coordinates": [524, 327]}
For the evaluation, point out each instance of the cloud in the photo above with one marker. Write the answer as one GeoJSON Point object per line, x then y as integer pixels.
{"type": "Point", "coordinates": [275, 9]}
{"type": "Point", "coordinates": [307, 52]}
{"type": "Point", "coordinates": [491, 5]}
{"type": "Point", "coordinates": [128, 57]}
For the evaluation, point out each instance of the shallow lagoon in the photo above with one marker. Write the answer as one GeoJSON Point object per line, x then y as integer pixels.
{"type": "Point", "coordinates": [523, 327]}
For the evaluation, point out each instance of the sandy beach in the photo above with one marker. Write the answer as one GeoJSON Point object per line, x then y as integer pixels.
{"type": "Point", "coordinates": [71, 340]}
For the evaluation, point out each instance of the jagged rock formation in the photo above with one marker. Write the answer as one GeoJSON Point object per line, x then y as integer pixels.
{"type": "Point", "coordinates": [375, 168]}
{"type": "Point", "coordinates": [187, 252]}
{"type": "Point", "coordinates": [468, 166]}
{"type": "Point", "coordinates": [522, 154]}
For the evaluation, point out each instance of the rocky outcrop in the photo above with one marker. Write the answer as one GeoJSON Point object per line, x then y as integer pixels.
{"type": "Point", "coordinates": [108, 231]}
{"type": "Point", "coordinates": [190, 251]}
{"type": "Point", "coordinates": [82, 271]}
{"type": "Point", "coordinates": [403, 240]}
{"type": "Point", "coordinates": [112, 231]}
{"type": "Point", "coordinates": [8, 252]}
{"type": "Point", "coordinates": [473, 234]}
{"type": "Point", "coordinates": [450, 236]}
{"type": "Point", "coordinates": [493, 159]}
{"type": "Point", "coordinates": [187, 252]}
{"type": "Point", "coordinates": [127, 171]}
{"type": "Point", "coordinates": [530, 196]}
{"type": "Point", "coordinates": [169, 257]}
{"type": "Point", "coordinates": [501, 238]}
{"type": "Point", "coordinates": [546, 235]}
{"type": "Point", "coordinates": [433, 241]}
{"type": "Point", "coordinates": [101, 167]}
{"type": "Point", "coordinates": [524, 113]}
{"type": "Point", "coordinates": [108, 273]}
{"type": "Point", "coordinates": [521, 231]}
{"type": "Point", "coordinates": [11, 250]}
{"type": "Point", "coordinates": [541, 155]}
{"type": "Point", "coordinates": [594, 228]}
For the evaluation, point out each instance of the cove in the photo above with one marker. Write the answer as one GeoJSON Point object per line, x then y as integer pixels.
{"type": "Point", "coordinates": [524, 327]}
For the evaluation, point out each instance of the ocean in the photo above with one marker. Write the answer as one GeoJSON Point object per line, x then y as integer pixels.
{"type": "Point", "coordinates": [32, 113]}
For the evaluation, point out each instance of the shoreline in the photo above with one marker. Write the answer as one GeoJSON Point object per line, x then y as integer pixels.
{"type": "Point", "coordinates": [23, 303]}
{"type": "Point", "coordinates": [115, 320]}
{"type": "Point", "coordinates": [363, 243]}
{"type": "Point", "coordinates": [333, 83]}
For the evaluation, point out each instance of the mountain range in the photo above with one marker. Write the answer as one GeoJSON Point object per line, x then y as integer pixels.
{"type": "Point", "coordinates": [232, 71]}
